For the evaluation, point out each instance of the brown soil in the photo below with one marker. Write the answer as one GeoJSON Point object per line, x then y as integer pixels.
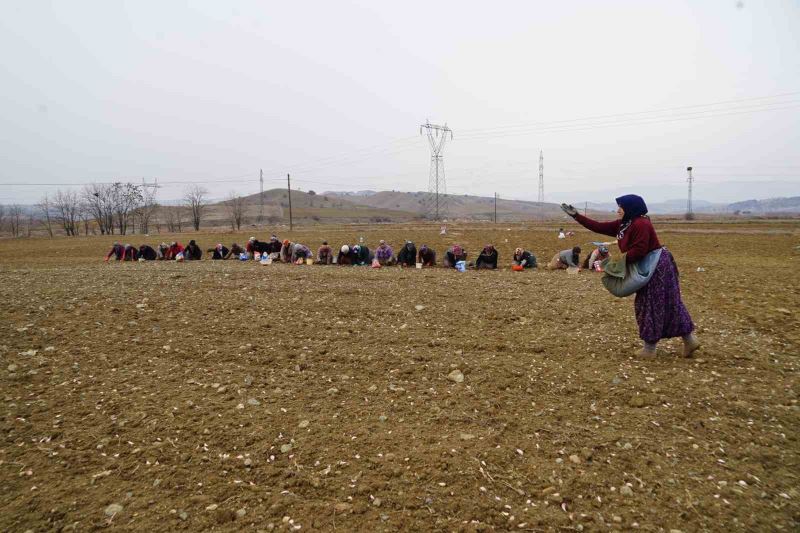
{"type": "Point", "coordinates": [228, 395]}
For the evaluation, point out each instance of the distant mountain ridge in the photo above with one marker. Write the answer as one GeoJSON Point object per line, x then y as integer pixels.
{"type": "Point", "coordinates": [396, 206]}
{"type": "Point", "coordinates": [781, 205]}
{"type": "Point", "coordinates": [770, 205]}
{"type": "Point", "coordinates": [461, 206]}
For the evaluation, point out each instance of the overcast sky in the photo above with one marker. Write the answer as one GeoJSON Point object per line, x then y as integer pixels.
{"type": "Point", "coordinates": [616, 94]}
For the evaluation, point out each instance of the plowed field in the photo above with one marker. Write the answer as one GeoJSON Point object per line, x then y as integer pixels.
{"type": "Point", "coordinates": [222, 395]}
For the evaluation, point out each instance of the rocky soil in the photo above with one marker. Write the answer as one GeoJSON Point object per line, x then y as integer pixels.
{"type": "Point", "coordinates": [232, 396]}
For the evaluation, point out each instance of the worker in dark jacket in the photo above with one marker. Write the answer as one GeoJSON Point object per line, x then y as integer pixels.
{"type": "Point", "coordinates": [130, 253]}
{"type": "Point", "coordinates": [220, 251]}
{"type": "Point", "coordinates": [254, 245]}
{"type": "Point", "coordinates": [407, 255]}
{"type": "Point", "coordinates": [274, 245]}
{"type": "Point", "coordinates": [487, 258]}
{"type": "Point", "coordinates": [524, 258]}
{"type": "Point", "coordinates": [346, 256]}
{"type": "Point", "coordinates": [234, 252]}
{"type": "Point", "coordinates": [362, 255]}
{"type": "Point", "coordinates": [192, 252]}
{"type": "Point", "coordinates": [147, 253]}
{"type": "Point", "coordinates": [116, 250]}
{"type": "Point", "coordinates": [426, 256]}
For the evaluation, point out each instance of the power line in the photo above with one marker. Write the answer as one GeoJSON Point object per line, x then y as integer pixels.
{"type": "Point", "coordinates": [468, 132]}
{"type": "Point", "coordinates": [566, 126]}
{"type": "Point", "coordinates": [475, 134]}
{"type": "Point", "coordinates": [627, 122]}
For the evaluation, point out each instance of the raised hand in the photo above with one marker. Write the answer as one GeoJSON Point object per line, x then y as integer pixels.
{"type": "Point", "coordinates": [568, 209]}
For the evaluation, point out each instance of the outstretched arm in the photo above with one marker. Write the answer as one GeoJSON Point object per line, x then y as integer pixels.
{"type": "Point", "coordinates": [604, 228]}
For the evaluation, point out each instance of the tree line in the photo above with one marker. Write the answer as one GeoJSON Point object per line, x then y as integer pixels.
{"type": "Point", "coordinates": [115, 209]}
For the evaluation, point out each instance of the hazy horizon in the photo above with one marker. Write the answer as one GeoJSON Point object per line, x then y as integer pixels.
{"type": "Point", "coordinates": [618, 95]}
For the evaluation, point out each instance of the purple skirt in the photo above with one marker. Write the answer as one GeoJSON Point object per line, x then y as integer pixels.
{"type": "Point", "coordinates": [660, 312]}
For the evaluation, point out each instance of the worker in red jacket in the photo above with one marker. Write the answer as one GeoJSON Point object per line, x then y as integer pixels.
{"type": "Point", "coordinates": [174, 249]}
{"type": "Point", "coordinates": [660, 312]}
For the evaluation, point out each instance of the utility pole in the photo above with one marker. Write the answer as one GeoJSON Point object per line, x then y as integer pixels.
{"type": "Point", "coordinates": [585, 207]}
{"type": "Point", "coordinates": [289, 188]}
{"type": "Point", "coordinates": [495, 208]}
{"type": "Point", "coordinates": [436, 202]}
{"type": "Point", "coordinates": [541, 185]}
{"type": "Point", "coordinates": [261, 196]}
{"type": "Point", "coordinates": [689, 211]}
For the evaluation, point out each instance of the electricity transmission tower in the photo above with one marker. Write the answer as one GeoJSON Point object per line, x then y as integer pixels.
{"type": "Point", "coordinates": [689, 211]}
{"type": "Point", "coordinates": [261, 196]}
{"type": "Point", "coordinates": [541, 184]}
{"type": "Point", "coordinates": [153, 185]}
{"type": "Point", "coordinates": [436, 202]}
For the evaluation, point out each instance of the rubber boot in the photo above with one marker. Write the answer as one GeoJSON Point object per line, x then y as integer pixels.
{"type": "Point", "coordinates": [690, 344]}
{"type": "Point", "coordinates": [648, 350]}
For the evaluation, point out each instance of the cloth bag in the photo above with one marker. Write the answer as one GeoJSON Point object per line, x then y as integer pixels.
{"type": "Point", "coordinates": [623, 279]}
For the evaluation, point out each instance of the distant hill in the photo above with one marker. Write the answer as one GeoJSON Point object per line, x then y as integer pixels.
{"type": "Point", "coordinates": [669, 207]}
{"type": "Point", "coordinates": [770, 205]}
{"type": "Point", "coordinates": [351, 193]}
{"type": "Point", "coordinates": [458, 206]}
{"type": "Point", "coordinates": [676, 207]}
{"type": "Point", "coordinates": [395, 206]}
{"type": "Point", "coordinates": [309, 207]}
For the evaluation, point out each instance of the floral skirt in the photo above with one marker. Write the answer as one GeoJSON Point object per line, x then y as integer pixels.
{"type": "Point", "coordinates": [660, 312]}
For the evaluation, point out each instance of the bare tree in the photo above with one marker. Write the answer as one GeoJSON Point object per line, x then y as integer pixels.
{"type": "Point", "coordinates": [112, 205]}
{"type": "Point", "coordinates": [67, 205]}
{"type": "Point", "coordinates": [195, 201]}
{"type": "Point", "coordinates": [147, 208]}
{"type": "Point", "coordinates": [2, 216]}
{"type": "Point", "coordinates": [99, 204]}
{"type": "Point", "coordinates": [235, 207]}
{"type": "Point", "coordinates": [44, 207]}
{"type": "Point", "coordinates": [15, 220]}
{"type": "Point", "coordinates": [173, 218]}
{"type": "Point", "coordinates": [86, 217]}
{"type": "Point", "coordinates": [125, 199]}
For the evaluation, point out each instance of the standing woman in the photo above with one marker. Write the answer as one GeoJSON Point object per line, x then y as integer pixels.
{"type": "Point", "coordinates": [660, 312]}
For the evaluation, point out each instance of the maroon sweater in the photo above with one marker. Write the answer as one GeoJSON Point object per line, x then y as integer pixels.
{"type": "Point", "coordinates": [638, 240]}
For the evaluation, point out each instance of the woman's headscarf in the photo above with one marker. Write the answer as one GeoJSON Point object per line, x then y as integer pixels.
{"type": "Point", "coordinates": [633, 205]}
{"type": "Point", "coordinates": [518, 252]}
{"type": "Point", "coordinates": [457, 250]}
